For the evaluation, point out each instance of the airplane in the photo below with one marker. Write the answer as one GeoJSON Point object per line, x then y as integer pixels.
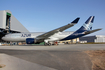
{"type": "Point", "coordinates": [53, 35]}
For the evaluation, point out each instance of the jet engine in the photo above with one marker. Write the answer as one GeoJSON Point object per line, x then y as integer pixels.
{"type": "Point", "coordinates": [30, 40]}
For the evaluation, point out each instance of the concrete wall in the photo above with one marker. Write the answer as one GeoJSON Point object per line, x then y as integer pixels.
{"type": "Point", "coordinates": [16, 25]}
{"type": "Point", "coordinates": [3, 19]}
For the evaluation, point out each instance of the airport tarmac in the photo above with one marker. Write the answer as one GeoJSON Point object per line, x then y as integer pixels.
{"type": "Point", "coordinates": [61, 57]}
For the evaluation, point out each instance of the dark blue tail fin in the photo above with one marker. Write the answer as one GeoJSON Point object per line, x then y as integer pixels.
{"type": "Point", "coordinates": [87, 26]}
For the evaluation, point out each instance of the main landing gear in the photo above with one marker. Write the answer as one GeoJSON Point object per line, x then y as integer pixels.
{"type": "Point", "coordinates": [51, 43]}
{"type": "Point", "coordinates": [47, 44]}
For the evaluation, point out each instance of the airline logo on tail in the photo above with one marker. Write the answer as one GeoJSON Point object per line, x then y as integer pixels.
{"type": "Point", "coordinates": [88, 24]}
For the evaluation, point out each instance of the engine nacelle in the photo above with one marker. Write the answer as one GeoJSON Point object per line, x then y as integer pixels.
{"type": "Point", "coordinates": [30, 41]}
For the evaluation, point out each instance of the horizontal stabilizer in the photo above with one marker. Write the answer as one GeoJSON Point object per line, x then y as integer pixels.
{"type": "Point", "coordinates": [88, 32]}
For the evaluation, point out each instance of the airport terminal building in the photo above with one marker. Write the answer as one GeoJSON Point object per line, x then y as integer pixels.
{"type": "Point", "coordinates": [8, 21]}
{"type": "Point", "coordinates": [9, 24]}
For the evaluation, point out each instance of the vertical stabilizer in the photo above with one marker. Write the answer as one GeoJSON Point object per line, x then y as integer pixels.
{"type": "Point", "coordinates": [88, 23]}
{"type": "Point", "coordinates": [87, 26]}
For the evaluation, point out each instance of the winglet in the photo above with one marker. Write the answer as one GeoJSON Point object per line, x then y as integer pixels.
{"type": "Point", "coordinates": [76, 20]}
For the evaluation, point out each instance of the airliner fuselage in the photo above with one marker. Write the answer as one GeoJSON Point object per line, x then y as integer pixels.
{"type": "Point", "coordinates": [21, 37]}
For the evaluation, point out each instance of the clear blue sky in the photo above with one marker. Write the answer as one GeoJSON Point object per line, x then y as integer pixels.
{"type": "Point", "coordinates": [46, 15]}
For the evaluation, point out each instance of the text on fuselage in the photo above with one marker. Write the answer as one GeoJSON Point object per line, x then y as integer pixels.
{"type": "Point", "coordinates": [26, 35]}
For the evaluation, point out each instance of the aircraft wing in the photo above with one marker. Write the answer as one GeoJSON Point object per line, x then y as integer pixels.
{"type": "Point", "coordinates": [48, 34]}
{"type": "Point", "coordinates": [88, 32]}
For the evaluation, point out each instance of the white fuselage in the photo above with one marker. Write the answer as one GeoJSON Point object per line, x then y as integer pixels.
{"type": "Point", "coordinates": [21, 37]}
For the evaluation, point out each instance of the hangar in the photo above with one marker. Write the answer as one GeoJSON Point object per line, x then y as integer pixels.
{"type": "Point", "coordinates": [9, 24]}
{"type": "Point", "coordinates": [95, 39]}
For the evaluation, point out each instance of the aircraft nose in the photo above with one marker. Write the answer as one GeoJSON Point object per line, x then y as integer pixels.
{"type": "Point", "coordinates": [4, 38]}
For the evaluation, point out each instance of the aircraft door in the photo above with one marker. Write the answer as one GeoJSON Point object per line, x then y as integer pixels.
{"type": "Point", "coordinates": [8, 19]}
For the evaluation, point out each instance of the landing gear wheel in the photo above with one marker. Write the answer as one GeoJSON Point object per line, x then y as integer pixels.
{"type": "Point", "coordinates": [47, 44]}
